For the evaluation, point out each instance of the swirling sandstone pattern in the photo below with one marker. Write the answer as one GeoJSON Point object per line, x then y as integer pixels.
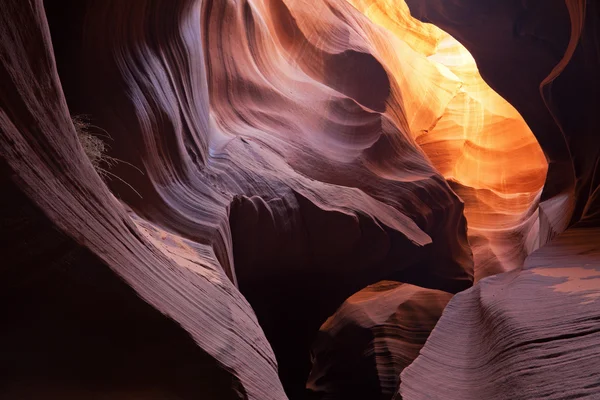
{"type": "Point", "coordinates": [527, 334]}
{"type": "Point", "coordinates": [274, 159]}
{"type": "Point", "coordinates": [532, 333]}
{"type": "Point", "coordinates": [71, 210]}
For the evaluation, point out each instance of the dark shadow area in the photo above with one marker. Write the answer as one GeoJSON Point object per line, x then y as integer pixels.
{"type": "Point", "coordinates": [296, 268]}
{"type": "Point", "coordinates": [72, 329]}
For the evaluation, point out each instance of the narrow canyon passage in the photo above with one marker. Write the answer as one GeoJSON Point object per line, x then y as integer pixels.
{"type": "Point", "coordinates": [436, 103]}
{"type": "Point", "coordinates": [303, 199]}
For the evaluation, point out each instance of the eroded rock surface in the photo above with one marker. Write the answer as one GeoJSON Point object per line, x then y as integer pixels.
{"type": "Point", "coordinates": [272, 160]}
{"type": "Point", "coordinates": [361, 350]}
{"type": "Point", "coordinates": [526, 334]}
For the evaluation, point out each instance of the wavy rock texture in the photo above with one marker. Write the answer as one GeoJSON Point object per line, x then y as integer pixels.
{"type": "Point", "coordinates": [83, 288]}
{"type": "Point", "coordinates": [557, 40]}
{"type": "Point", "coordinates": [275, 158]}
{"type": "Point", "coordinates": [531, 333]}
{"type": "Point", "coordinates": [526, 334]}
{"type": "Point", "coordinates": [299, 164]}
{"type": "Point", "coordinates": [361, 350]}
{"type": "Point", "coordinates": [478, 141]}
{"type": "Point", "coordinates": [72, 329]}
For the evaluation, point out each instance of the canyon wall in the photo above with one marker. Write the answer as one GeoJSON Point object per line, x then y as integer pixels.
{"type": "Point", "coordinates": [292, 192]}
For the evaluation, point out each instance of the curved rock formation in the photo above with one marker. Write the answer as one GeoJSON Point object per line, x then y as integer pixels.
{"type": "Point", "coordinates": [524, 334]}
{"type": "Point", "coordinates": [556, 93]}
{"type": "Point", "coordinates": [531, 333]}
{"type": "Point", "coordinates": [72, 329]}
{"type": "Point", "coordinates": [361, 350]}
{"type": "Point", "coordinates": [305, 171]}
{"type": "Point", "coordinates": [478, 141]}
{"type": "Point", "coordinates": [271, 159]}
{"type": "Point", "coordinates": [53, 194]}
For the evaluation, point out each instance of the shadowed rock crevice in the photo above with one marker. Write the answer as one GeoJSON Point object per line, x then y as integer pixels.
{"type": "Point", "coordinates": [79, 330]}
{"type": "Point", "coordinates": [301, 187]}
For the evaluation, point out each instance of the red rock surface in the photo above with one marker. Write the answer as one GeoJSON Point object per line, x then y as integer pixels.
{"type": "Point", "coordinates": [361, 350]}
{"type": "Point", "coordinates": [275, 158]}
{"type": "Point", "coordinates": [68, 202]}
{"type": "Point", "coordinates": [307, 183]}
{"type": "Point", "coordinates": [531, 333]}
{"type": "Point", "coordinates": [526, 334]}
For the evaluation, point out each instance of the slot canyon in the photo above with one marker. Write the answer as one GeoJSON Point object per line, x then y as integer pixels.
{"type": "Point", "coordinates": [299, 199]}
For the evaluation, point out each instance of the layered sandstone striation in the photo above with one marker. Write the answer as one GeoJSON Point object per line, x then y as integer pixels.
{"type": "Point", "coordinates": [531, 332]}
{"type": "Point", "coordinates": [525, 334]}
{"type": "Point", "coordinates": [299, 176]}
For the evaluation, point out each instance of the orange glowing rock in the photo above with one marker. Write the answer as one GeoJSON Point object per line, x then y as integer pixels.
{"type": "Point", "coordinates": [478, 141]}
{"type": "Point", "coordinates": [297, 175]}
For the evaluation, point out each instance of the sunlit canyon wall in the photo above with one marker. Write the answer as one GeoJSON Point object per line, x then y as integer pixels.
{"type": "Point", "coordinates": [304, 199]}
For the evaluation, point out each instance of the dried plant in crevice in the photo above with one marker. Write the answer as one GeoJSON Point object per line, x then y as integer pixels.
{"type": "Point", "coordinates": [93, 145]}
{"type": "Point", "coordinates": [95, 148]}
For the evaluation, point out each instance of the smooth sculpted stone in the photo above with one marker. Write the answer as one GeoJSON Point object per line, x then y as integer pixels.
{"type": "Point", "coordinates": [265, 161]}
{"type": "Point", "coordinates": [72, 329]}
{"type": "Point", "coordinates": [530, 334]}
{"type": "Point", "coordinates": [284, 157]}
{"type": "Point", "coordinates": [91, 307]}
{"type": "Point", "coordinates": [541, 56]}
{"type": "Point", "coordinates": [361, 350]}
